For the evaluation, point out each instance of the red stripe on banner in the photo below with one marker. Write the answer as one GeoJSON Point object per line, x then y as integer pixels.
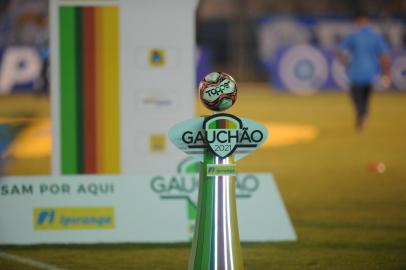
{"type": "Point", "coordinates": [89, 87]}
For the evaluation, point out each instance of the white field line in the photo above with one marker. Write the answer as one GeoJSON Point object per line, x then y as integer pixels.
{"type": "Point", "coordinates": [23, 260]}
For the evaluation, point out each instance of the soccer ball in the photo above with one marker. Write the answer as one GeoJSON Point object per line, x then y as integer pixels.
{"type": "Point", "coordinates": [218, 91]}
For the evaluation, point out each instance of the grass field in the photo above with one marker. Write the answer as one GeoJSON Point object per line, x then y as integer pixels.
{"type": "Point", "coordinates": [346, 217]}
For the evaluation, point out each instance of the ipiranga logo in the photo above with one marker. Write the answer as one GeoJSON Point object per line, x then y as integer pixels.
{"type": "Point", "coordinates": [221, 170]}
{"type": "Point", "coordinates": [77, 218]}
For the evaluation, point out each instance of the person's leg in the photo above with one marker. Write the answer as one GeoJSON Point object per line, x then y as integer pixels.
{"type": "Point", "coordinates": [359, 95]}
{"type": "Point", "coordinates": [362, 94]}
{"type": "Point", "coordinates": [366, 93]}
{"type": "Point", "coordinates": [356, 99]}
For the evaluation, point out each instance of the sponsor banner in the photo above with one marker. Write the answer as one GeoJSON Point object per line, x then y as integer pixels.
{"type": "Point", "coordinates": [20, 69]}
{"type": "Point", "coordinates": [302, 69]}
{"type": "Point", "coordinates": [221, 170]}
{"type": "Point", "coordinates": [204, 62]}
{"type": "Point", "coordinates": [121, 86]}
{"type": "Point", "coordinates": [298, 53]}
{"type": "Point", "coordinates": [74, 209]}
{"type": "Point", "coordinates": [74, 218]}
{"type": "Point", "coordinates": [306, 69]}
{"type": "Point", "coordinates": [275, 32]}
{"type": "Point", "coordinates": [398, 70]}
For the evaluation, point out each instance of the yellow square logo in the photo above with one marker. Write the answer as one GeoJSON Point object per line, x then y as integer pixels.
{"type": "Point", "coordinates": [157, 57]}
{"type": "Point", "coordinates": [157, 143]}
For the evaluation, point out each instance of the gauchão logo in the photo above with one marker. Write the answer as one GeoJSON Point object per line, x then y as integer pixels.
{"type": "Point", "coordinates": [73, 218]}
{"type": "Point", "coordinates": [223, 134]}
{"type": "Point", "coordinates": [185, 187]}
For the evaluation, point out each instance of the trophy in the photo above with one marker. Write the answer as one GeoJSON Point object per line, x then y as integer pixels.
{"type": "Point", "coordinates": [217, 141]}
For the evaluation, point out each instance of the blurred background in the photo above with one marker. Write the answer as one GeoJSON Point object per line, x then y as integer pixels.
{"type": "Point", "coordinates": [344, 190]}
{"type": "Point", "coordinates": [248, 39]}
{"type": "Point", "coordinates": [281, 45]}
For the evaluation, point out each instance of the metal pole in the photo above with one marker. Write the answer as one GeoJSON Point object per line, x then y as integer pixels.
{"type": "Point", "coordinates": [216, 241]}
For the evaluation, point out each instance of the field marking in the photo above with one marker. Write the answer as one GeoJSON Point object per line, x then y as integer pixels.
{"type": "Point", "coordinates": [29, 262]}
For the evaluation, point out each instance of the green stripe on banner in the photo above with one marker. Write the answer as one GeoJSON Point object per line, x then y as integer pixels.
{"type": "Point", "coordinates": [79, 90]}
{"type": "Point", "coordinates": [68, 93]}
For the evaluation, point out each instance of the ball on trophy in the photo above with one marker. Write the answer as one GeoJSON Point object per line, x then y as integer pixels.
{"type": "Point", "coordinates": [218, 91]}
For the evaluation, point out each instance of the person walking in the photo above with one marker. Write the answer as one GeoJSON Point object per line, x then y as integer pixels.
{"type": "Point", "coordinates": [364, 52]}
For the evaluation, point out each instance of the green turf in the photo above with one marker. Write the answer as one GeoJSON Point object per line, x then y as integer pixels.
{"type": "Point", "coordinates": [345, 216]}
{"type": "Point", "coordinates": [24, 109]}
{"type": "Point", "coordinates": [24, 106]}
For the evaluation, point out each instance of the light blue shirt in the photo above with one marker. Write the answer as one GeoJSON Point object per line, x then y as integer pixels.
{"type": "Point", "coordinates": [364, 47]}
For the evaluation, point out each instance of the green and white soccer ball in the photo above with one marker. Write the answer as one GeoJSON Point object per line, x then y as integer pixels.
{"type": "Point", "coordinates": [218, 91]}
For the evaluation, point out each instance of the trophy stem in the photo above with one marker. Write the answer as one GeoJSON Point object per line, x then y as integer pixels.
{"type": "Point", "coordinates": [217, 141]}
{"type": "Point", "coordinates": [216, 241]}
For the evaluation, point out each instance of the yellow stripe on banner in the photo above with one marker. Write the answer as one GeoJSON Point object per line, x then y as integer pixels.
{"type": "Point", "coordinates": [110, 91]}
{"type": "Point", "coordinates": [98, 88]}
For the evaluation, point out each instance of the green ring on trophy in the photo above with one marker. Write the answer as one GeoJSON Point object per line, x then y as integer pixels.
{"type": "Point", "coordinates": [217, 141]}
